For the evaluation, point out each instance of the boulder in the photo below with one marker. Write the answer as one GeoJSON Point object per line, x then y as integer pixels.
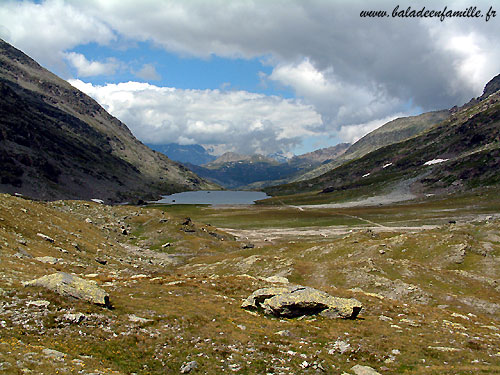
{"type": "Point", "coordinates": [297, 300]}
{"type": "Point", "coordinates": [188, 367]}
{"type": "Point", "coordinates": [72, 286]}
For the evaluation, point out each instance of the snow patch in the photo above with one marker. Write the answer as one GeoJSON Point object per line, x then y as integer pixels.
{"type": "Point", "coordinates": [386, 165]}
{"type": "Point", "coordinates": [366, 175]}
{"type": "Point", "coordinates": [435, 161]}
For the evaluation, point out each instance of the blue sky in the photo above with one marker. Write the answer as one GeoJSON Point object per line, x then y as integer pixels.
{"type": "Point", "coordinates": [254, 76]}
{"type": "Point", "coordinates": [182, 71]}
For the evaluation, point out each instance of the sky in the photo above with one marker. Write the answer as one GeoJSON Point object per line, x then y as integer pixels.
{"type": "Point", "coordinates": [259, 76]}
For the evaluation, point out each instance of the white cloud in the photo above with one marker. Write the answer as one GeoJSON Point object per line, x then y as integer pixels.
{"type": "Point", "coordinates": [86, 68]}
{"type": "Point", "coordinates": [148, 72]}
{"type": "Point", "coordinates": [351, 133]}
{"type": "Point", "coordinates": [338, 102]}
{"type": "Point", "coordinates": [46, 30]}
{"type": "Point", "coordinates": [225, 120]}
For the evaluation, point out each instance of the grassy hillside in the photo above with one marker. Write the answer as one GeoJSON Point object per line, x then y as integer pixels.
{"type": "Point", "coordinates": [59, 143]}
{"type": "Point", "coordinates": [468, 141]}
{"type": "Point", "coordinates": [394, 131]}
{"type": "Point", "coordinates": [429, 288]}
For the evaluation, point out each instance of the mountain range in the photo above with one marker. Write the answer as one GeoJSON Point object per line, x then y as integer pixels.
{"type": "Point", "coordinates": [58, 143]}
{"type": "Point", "coordinates": [457, 154]}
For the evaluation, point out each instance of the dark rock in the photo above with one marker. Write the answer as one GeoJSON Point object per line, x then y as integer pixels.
{"type": "Point", "coordinates": [101, 261]}
{"type": "Point", "coordinates": [187, 221]}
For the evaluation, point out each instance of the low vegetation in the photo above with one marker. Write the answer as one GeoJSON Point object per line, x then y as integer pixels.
{"type": "Point", "coordinates": [426, 273]}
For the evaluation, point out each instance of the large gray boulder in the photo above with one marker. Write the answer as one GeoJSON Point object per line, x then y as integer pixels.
{"type": "Point", "coordinates": [69, 285]}
{"type": "Point", "coordinates": [297, 300]}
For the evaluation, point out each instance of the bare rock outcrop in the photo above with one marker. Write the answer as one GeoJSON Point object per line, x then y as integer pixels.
{"type": "Point", "coordinates": [69, 285]}
{"type": "Point", "coordinates": [297, 300]}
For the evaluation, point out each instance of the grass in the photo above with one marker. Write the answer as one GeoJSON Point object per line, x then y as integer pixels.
{"type": "Point", "coordinates": [194, 306]}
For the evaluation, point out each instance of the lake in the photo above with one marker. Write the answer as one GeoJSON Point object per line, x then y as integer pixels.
{"type": "Point", "coordinates": [213, 197]}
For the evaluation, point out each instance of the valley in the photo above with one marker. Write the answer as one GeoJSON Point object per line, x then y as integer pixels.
{"type": "Point", "coordinates": [380, 257]}
{"type": "Point", "coordinates": [426, 272]}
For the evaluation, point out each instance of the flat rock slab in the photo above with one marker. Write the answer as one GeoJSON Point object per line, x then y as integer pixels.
{"type": "Point", "coordinates": [364, 370]}
{"type": "Point", "coordinates": [69, 285]}
{"type": "Point", "coordinates": [293, 301]}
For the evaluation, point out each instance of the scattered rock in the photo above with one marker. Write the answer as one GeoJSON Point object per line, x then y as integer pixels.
{"type": "Point", "coordinates": [341, 347]}
{"type": "Point", "coordinates": [444, 349]}
{"type": "Point", "coordinates": [276, 279]}
{"type": "Point", "coordinates": [188, 367]}
{"type": "Point", "coordinates": [364, 370]}
{"type": "Point", "coordinates": [22, 253]}
{"type": "Point", "coordinates": [45, 237]}
{"type": "Point", "coordinates": [101, 261]}
{"type": "Point", "coordinates": [136, 319]}
{"type": "Point", "coordinates": [294, 301]}
{"type": "Point", "coordinates": [248, 246]}
{"type": "Point", "coordinates": [73, 318]}
{"type": "Point", "coordinates": [284, 333]}
{"type": "Point", "coordinates": [187, 221]}
{"type": "Point", "coordinates": [88, 221]}
{"type": "Point", "coordinates": [54, 354]}
{"type": "Point", "coordinates": [48, 260]}
{"type": "Point", "coordinates": [72, 286]}
{"type": "Point", "coordinates": [39, 303]}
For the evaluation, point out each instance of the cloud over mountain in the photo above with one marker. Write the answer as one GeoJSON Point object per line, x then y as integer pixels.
{"type": "Point", "coordinates": [249, 122]}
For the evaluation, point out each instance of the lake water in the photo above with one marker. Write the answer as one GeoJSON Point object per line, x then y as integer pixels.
{"type": "Point", "coordinates": [214, 197]}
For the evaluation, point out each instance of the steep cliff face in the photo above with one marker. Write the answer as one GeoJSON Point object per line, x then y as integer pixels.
{"type": "Point", "coordinates": [57, 142]}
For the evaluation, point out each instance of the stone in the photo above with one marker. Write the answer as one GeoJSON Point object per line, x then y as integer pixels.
{"type": "Point", "coordinates": [45, 237]}
{"type": "Point", "coordinates": [341, 346]}
{"type": "Point", "coordinates": [54, 354]}
{"type": "Point", "coordinates": [364, 370]}
{"type": "Point", "coordinates": [74, 318]}
{"type": "Point", "coordinates": [39, 303]}
{"type": "Point", "coordinates": [248, 246]}
{"type": "Point", "coordinates": [276, 279]}
{"type": "Point", "coordinates": [188, 367]}
{"type": "Point", "coordinates": [101, 261]}
{"type": "Point", "coordinates": [69, 285]}
{"type": "Point", "coordinates": [284, 333]}
{"type": "Point", "coordinates": [297, 300]}
{"type": "Point", "coordinates": [136, 319]}
{"type": "Point", "coordinates": [48, 260]}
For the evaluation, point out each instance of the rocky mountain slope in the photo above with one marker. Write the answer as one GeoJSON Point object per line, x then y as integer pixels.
{"type": "Point", "coordinates": [394, 131]}
{"type": "Point", "coordinates": [57, 142]}
{"type": "Point", "coordinates": [460, 153]}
